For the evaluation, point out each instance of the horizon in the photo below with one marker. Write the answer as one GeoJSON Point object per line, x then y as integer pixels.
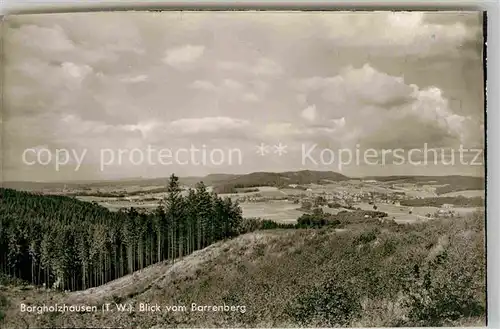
{"type": "Point", "coordinates": [220, 173]}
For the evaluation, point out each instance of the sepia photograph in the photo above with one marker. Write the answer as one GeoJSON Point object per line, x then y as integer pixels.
{"type": "Point", "coordinates": [243, 169]}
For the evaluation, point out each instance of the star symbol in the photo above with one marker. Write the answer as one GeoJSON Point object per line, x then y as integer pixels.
{"type": "Point", "coordinates": [280, 149]}
{"type": "Point", "coordinates": [262, 149]}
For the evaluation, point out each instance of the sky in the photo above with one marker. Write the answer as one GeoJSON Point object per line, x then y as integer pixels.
{"type": "Point", "coordinates": [92, 93]}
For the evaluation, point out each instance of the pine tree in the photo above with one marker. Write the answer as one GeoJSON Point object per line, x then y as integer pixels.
{"type": "Point", "coordinates": [173, 212]}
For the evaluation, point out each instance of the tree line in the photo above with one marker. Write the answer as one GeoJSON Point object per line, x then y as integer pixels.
{"type": "Point", "coordinates": [59, 241]}
{"type": "Point", "coordinates": [460, 201]}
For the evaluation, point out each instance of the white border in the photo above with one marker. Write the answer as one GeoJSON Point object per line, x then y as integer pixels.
{"type": "Point", "coordinates": [493, 164]}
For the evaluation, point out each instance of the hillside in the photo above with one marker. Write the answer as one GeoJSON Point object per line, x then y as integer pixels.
{"type": "Point", "coordinates": [427, 274]}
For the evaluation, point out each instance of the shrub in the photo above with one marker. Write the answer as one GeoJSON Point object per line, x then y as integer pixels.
{"type": "Point", "coordinates": [3, 305]}
{"type": "Point", "coordinates": [331, 304]}
{"type": "Point", "coordinates": [117, 299]}
{"type": "Point", "coordinates": [449, 287]}
{"type": "Point", "coordinates": [334, 205]}
{"type": "Point", "coordinates": [434, 302]}
{"type": "Point", "coordinates": [389, 247]}
{"type": "Point", "coordinates": [367, 237]}
{"type": "Point", "coordinates": [260, 250]}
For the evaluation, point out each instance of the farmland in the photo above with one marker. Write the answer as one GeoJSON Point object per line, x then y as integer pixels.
{"type": "Point", "coordinates": [403, 201]}
{"type": "Point", "coordinates": [281, 196]}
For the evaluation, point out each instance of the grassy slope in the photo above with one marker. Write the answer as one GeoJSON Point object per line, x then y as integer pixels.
{"type": "Point", "coordinates": [268, 271]}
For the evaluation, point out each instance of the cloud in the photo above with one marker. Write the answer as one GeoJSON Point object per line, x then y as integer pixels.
{"type": "Point", "coordinates": [231, 66]}
{"type": "Point", "coordinates": [203, 85]}
{"type": "Point", "coordinates": [106, 79]}
{"type": "Point", "coordinates": [135, 79]}
{"type": "Point", "coordinates": [384, 33]}
{"type": "Point", "coordinates": [309, 113]}
{"type": "Point", "coordinates": [267, 67]}
{"type": "Point", "coordinates": [364, 84]}
{"type": "Point", "coordinates": [93, 38]}
{"type": "Point", "coordinates": [232, 84]}
{"type": "Point", "coordinates": [45, 39]}
{"type": "Point", "coordinates": [181, 56]}
{"type": "Point", "coordinates": [301, 98]}
{"type": "Point", "coordinates": [251, 97]}
{"type": "Point", "coordinates": [193, 126]}
{"type": "Point", "coordinates": [339, 122]}
{"type": "Point", "coordinates": [262, 67]}
{"type": "Point", "coordinates": [78, 72]}
{"type": "Point", "coordinates": [71, 125]}
{"type": "Point", "coordinates": [401, 33]}
{"type": "Point", "coordinates": [279, 129]}
{"type": "Point", "coordinates": [381, 110]}
{"type": "Point", "coordinates": [231, 90]}
{"type": "Point", "coordinates": [227, 85]}
{"type": "Point", "coordinates": [296, 134]}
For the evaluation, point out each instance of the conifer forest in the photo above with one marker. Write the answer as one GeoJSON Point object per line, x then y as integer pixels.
{"type": "Point", "coordinates": [61, 242]}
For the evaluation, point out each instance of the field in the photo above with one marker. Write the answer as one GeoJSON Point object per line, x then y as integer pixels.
{"type": "Point", "coordinates": [401, 214]}
{"type": "Point", "coordinates": [467, 194]}
{"type": "Point", "coordinates": [358, 186]}
{"type": "Point", "coordinates": [278, 211]}
{"type": "Point", "coordinates": [284, 211]}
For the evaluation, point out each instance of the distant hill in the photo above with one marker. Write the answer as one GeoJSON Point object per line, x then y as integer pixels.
{"type": "Point", "coordinates": [228, 183]}
{"type": "Point", "coordinates": [35, 186]}
{"type": "Point", "coordinates": [450, 183]}
{"type": "Point", "coordinates": [252, 179]}
{"type": "Point", "coordinates": [210, 180]}
{"type": "Point", "coordinates": [278, 179]}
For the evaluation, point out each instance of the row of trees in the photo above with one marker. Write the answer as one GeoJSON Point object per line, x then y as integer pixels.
{"type": "Point", "coordinates": [460, 201]}
{"type": "Point", "coordinates": [63, 242]}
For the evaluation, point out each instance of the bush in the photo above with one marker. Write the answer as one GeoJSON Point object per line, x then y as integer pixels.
{"type": "Point", "coordinates": [367, 237]}
{"type": "Point", "coordinates": [331, 304]}
{"type": "Point", "coordinates": [117, 299]}
{"type": "Point", "coordinates": [435, 302]}
{"type": "Point", "coordinates": [3, 305]}
{"type": "Point", "coordinates": [7, 280]}
{"type": "Point", "coordinates": [448, 287]}
{"type": "Point", "coordinates": [389, 247]}
{"type": "Point", "coordinates": [334, 205]}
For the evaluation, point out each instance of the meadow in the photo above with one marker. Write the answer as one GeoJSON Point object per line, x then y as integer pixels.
{"type": "Point", "coordinates": [278, 211]}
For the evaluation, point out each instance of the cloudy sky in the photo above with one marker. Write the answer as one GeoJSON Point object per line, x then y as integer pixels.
{"type": "Point", "coordinates": [85, 82]}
